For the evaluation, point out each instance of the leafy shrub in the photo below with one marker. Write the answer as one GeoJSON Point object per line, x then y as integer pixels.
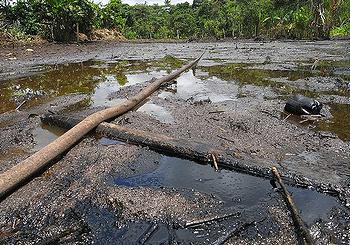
{"type": "Point", "coordinates": [58, 19]}
{"type": "Point", "coordinates": [65, 16]}
{"type": "Point", "coordinates": [341, 31]}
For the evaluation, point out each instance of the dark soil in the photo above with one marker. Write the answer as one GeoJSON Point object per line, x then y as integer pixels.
{"type": "Point", "coordinates": [105, 191]}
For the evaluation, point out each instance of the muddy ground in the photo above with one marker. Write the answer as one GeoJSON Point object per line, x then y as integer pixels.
{"type": "Point", "coordinates": [104, 191]}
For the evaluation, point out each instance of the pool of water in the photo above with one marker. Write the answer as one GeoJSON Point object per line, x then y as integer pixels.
{"type": "Point", "coordinates": [340, 121]}
{"type": "Point", "coordinates": [235, 190]}
{"type": "Point", "coordinates": [44, 135]}
{"type": "Point", "coordinates": [99, 80]}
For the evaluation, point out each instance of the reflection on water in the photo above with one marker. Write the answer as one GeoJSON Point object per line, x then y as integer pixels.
{"type": "Point", "coordinates": [189, 87]}
{"type": "Point", "coordinates": [340, 123]}
{"type": "Point", "coordinates": [103, 90]}
{"type": "Point", "coordinates": [93, 78]}
{"type": "Point", "coordinates": [45, 134]}
{"type": "Point", "coordinates": [215, 83]}
{"type": "Point", "coordinates": [234, 189]}
{"type": "Point", "coordinates": [107, 141]}
{"type": "Point", "coordinates": [158, 112]}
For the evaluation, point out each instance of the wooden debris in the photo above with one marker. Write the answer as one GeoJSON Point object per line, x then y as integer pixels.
{"type": "Point", "coordinates": [225, 138]}
{"type": "Point", "coordinates": [20, 105]}
{"type": "Point", "coordinates": [56, 239]}
{"type": "Point", "coordinates": [298, 222]}
{"type": "Point", "coordinates": [312, 118]}
{"type": "Point", "coordinates": [216, 112]}
{"type": "Point", "coordinates": [148, 234]}
{"type": "Point", "coordinates": [233, 232]}
{"type": "Point", "coordinates": [199, 222]}
{"type": "Point", "coordinates": [192, 150]}
{"type": "Point", "coordinates": [215, 162]}
{"type": "Point", "coordinates": [287, 117]}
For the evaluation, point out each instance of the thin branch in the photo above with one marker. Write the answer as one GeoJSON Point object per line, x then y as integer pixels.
{"type": "Point", "coordinates": [215, 162]}
{"type": "Point", "coordinates": [298, 222]}
{"type": "Point", "coordinates": [148, 234]}
{"type": "Point", "coordinates": [20, 105]}
{"type": "Point", "coordinates": [224, 138]}
{"type": "Point", "coordinates": [198, 222]}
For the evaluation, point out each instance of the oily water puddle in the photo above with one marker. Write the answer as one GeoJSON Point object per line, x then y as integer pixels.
{"type": "Point", "coordinates": [99, 79]}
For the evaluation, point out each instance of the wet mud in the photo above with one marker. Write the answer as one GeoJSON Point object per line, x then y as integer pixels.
{"type": "Point", "coordinates": [109, 192]}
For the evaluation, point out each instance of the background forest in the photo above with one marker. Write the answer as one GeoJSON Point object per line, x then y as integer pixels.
{"type": "Point", "coordinates": [296, 19]}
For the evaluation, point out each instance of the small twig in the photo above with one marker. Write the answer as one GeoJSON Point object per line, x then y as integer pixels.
{"type": "Point", "coordinates": [14, 223]}
{"type": "Point", "coordinates": [213, 112]}
{"type": "Point", "coordinates": [215, 162]}
{"type": "Point", "coordinates": [305, 111]}
{"type": "Point", "coordinates": [198, 222]}
{"type": "Point", "coordinates": [302, 121]}
{"type": "Point", "coordinates": [285, 113]}
{"type": "Point", "coordinates": [298, 222]}
{"type": "Point", "coordinates": [311, 116]}
{"type": "Point", "coordinates": [287, 117]}
{"type": "Point", "coordinates": [224, 138]}
{"type": "Point", "coordinates": [271, 114]}
{"type": "Point", "coordinates": [148, 234]}
{"type": "Point", "coordinates": [233, 232]}
{"type": "Point", "coordinates": [20, 105]}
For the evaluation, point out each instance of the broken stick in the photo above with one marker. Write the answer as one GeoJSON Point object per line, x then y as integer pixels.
{"type": "Point", "coordinates": [233, 232]}
{"type": "Point", "coordinates": [198, 222]}
{"type": "Point", "coordinates": [298, 222]}
{"type": "Point", "coordinates": [215, 162]}
{"type": "Point", "coordinates": [36, 163]}
{"type": "Point", "coordinates": [148, 234]}
{"type": "Point", "coordinates": [20, 105]}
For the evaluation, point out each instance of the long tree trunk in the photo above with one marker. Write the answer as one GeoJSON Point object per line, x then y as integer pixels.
{"type": "Point", "coordinates": [22, 172]}
{"type": "Point", "coordinates": [194, 150]}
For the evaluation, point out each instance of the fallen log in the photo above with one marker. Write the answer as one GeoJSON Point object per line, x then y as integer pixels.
{"type": "Point", "coordinates": [192, 150]}
{"type": "Point", "coordinates": [183, 148]}
{"type": "Point", "coordinates": [22, 172]}
{"type": "Point", "coordinates": [302, 230]}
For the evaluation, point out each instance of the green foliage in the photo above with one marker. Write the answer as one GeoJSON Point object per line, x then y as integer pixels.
{"type": "Point", "coordinates": [26, 15]}
{"type": "Point", "coordinates": [55, 19]}
{"type": "Point", "coordinates": [342, 17]}
{"type": "Point", "coordinates": [341, 31]}
{"type": "Point", "coordinates": [58, 19]}
{"type": "Point", "coordinates": [114, 15]}
{"type": "Point", "coordinates": [16, 32]}
{"type": "Point", "coordinates": [182, 21]}
{"type": "Point", "coordinates": [68, 15]}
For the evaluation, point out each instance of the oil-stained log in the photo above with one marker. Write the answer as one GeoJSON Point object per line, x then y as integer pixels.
{"type": "Point", "coordinates": [183, 148]}
{"type": "Point", "coordinates": [193, 150]}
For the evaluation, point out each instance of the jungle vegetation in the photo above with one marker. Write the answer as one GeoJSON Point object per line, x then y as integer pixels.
{"type": "Point", "coordinates": [295, 19]}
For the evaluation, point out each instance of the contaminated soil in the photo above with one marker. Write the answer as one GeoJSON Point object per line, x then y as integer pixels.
{"type": "Point", "coordinates": [105, 191]}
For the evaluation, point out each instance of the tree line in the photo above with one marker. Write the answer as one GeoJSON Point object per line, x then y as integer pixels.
{"type": "Point", "coordinates": [296, 19]}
